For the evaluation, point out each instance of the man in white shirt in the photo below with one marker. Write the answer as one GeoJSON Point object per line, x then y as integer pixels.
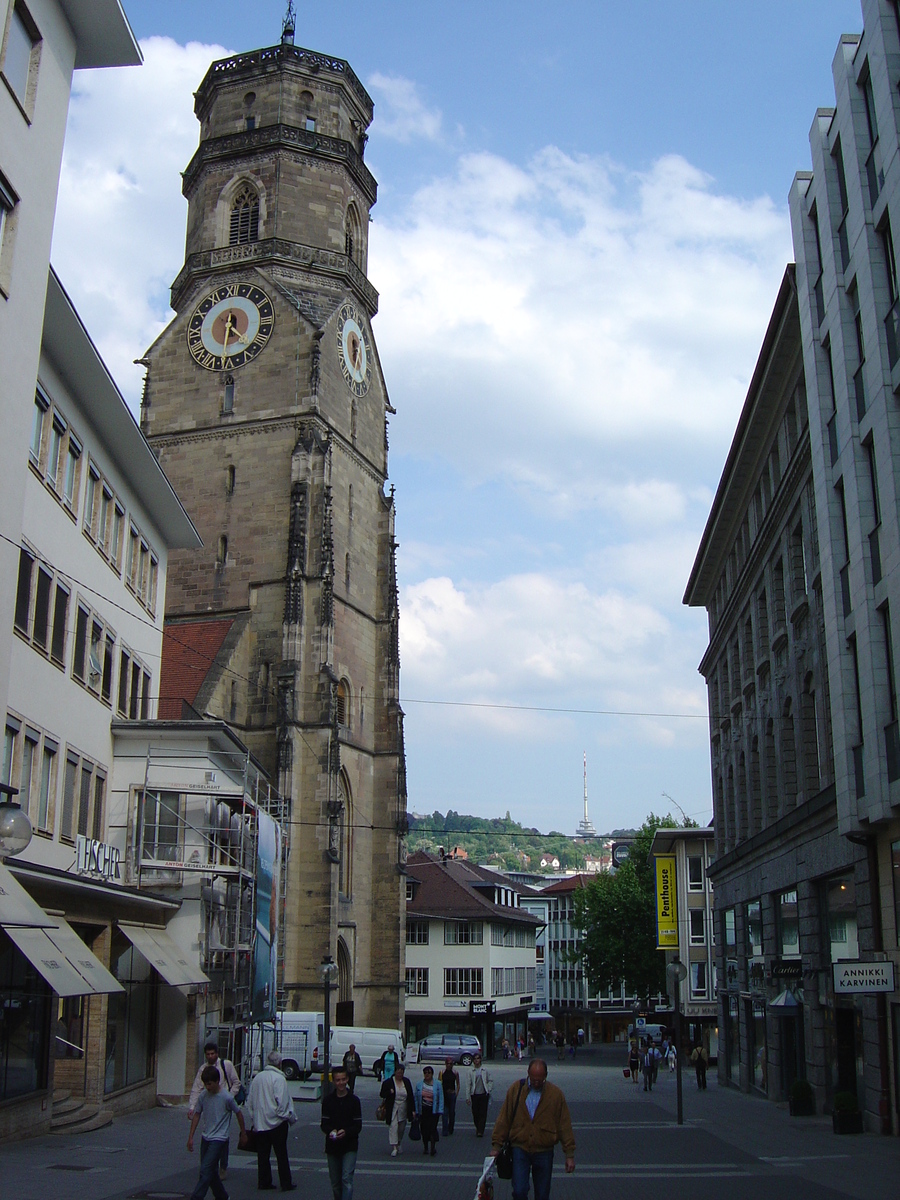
{"type": "Point", "coordinates": [272, 1114]}
{"type": "Point", "coordinates": [479, 1086]}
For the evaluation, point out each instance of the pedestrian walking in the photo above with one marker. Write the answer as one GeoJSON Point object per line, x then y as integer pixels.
{"type": "Point", "coordinates": [479, 1086]}
{"type": "Point", "coordinates": [559, 1042]}
{"type": "Point", "coordinates": [655, 1055]}
{"type": "Point", "coordinates": [353, 1066]}
{"type": "Point", "coordinates": [342, 1125]}
{"type": "Point", "coordinates": [534, 1116]}
{"type": "Point", "coordinates": [388, 1062]}
{"type": "Point", "coordinates": [449, 1080]}
{"type": "Point", "coordinates": [531, 1045]}
{"type": "Point", "coordinates": [229, 1081]}
{"type": "Point", "coordinates": [647, 1068]}
{"type": "Point", "coordinates": [216, 1106]}
{"type": "Point", "coordinates": [399, 1106]}
{"type": "Point", "coordinates": [672, 1057]}
{"type": "Point", "coordinates": [634, 1062]}
{"type": "Point", "coordinates": [700, 1059]}
{"type": "Point", "coordinates": [272, 1115]}
{"type": "Point", "coordinates": [429, 1098]}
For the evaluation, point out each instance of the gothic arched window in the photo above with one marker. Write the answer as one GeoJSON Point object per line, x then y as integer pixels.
{"type": "Point", "coordinates": [343, 703]}
{"type": "Point", "coordinates": [244, 217]}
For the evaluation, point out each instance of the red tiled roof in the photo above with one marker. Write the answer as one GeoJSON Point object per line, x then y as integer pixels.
{"type": "Point", "coordinates": [188, 653]}
{"type": "Point", "coordinates": [567, 885]}
{"type": "Point", "coordinates": [450, 889]}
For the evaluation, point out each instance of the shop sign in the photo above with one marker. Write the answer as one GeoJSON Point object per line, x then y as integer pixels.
{"type": "Point", "coordinates": [863, 977]}
{"type": "Point", "coordinates": [666, 907]}
{"type": "Point", "coordinates": [454, 1004]}
{"type": "Point", "coordinates": [481, 1008]}
{"type": "Point", "coordinates": [525, 999]}
{"type": "Point", "coordinates": [787, 969]}
{"type": "Point", "coordinates": [96, 858]}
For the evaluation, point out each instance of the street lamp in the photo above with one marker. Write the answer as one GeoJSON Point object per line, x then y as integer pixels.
{"type": "Point", "coordinates": [15, 828]}
{"type": "Point", "coordinates": [676, 971]}
{"type": "Point", "coordinates": [328, 972]}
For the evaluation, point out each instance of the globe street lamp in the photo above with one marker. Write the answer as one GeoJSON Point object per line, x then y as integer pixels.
{"type": "Point", "coordinates": [15, 828]}
{"type": "Point", "coordinates": [676, 971]}
{"type": "Point", "coordinates": [328, 973]}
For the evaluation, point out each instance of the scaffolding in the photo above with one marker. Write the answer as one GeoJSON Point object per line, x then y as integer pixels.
{"type": "Point", "coordinates": [197, 829]}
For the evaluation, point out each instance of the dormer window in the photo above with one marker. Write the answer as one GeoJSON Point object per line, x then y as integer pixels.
{"type": "Point", "coordinates": [244, 217]}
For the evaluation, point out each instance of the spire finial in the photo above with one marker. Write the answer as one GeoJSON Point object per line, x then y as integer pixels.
{"type": "Point", "coordinates": [288, 25]}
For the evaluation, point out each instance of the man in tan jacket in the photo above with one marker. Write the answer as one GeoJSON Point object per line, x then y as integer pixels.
{"type": "Point", "coordinates": [534, 1117]}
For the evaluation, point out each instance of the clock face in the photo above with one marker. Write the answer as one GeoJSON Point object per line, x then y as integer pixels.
{"type": "Point", "coordinates": [353, 348]}
{"type": "Point", "coordinates": [230, 326]}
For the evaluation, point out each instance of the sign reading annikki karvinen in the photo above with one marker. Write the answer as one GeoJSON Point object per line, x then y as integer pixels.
{"type": "Point", "coordinates": [863, 977]}
{"type": "Point", "coordinates": [666, 906]}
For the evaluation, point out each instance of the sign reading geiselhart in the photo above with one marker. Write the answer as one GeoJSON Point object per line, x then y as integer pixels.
{"type": "Point", "coordinates": [863, 976]}
{"type": "Point", "coordinates": [666, 907]}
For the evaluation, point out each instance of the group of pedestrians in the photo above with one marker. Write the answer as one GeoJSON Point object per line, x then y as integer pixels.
{"type": "Point", "coordinates": [645, 1062]}
{"type": "Point", "coordinates": [534, 1116]}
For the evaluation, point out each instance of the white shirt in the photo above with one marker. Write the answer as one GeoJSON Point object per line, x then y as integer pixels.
{"type": "Point", "coordinates": [270, 1102]}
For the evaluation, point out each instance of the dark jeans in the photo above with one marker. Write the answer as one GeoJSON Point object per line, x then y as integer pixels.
{"type": "Point", "coordinates": [210, 1157]}
{"type": "Point", "coordinates": [340, 1172]}
{"type": "Point", "coordinates": [479, 1111]}
{"type": "Point", "coordinates": [701, 1073]}
{"type": "Point", "coordinates": [272, 1139]}
{"type": "Point", "coordinates": [449, 1119]}
{"type": "Point", "coordinates": [539, 1166]}
{"type": "Point", "coordinates": [351, 1083]}
{"type": "Point", "coordinates": [428, 1121]}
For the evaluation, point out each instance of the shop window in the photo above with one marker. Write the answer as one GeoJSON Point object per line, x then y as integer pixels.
{"type": "Point", "coordinates": [25, 1004]}
{"type": "Point", "coordinates": [130, 1018]}
{"type": "Point", "coordinates": [840, 910]}
{"type": "Point", "coordinates": [68, 1042]}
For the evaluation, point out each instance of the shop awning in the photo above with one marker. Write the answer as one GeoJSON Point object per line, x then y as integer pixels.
{"type": "Point", "coordinates": [51, 945]}
{"type": "Point", "coordinates": [785, 1004]}
{"type": "Point", "coordinates": [162, 952]}
{"type": "Point", "coordinates": [18, 908]}
{"type": "Point", "coordinates": [70, 969]}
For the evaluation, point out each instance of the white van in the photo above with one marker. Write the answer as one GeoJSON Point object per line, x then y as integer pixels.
{"type": "Point", "coordinates": [370, 1045]}
{"type": "Point", "coordinates": [300, 1036]}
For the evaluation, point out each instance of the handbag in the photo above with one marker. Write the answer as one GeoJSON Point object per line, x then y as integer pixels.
{"type": "Point", "coordinates": [415, 1130]}
{"type": "Point", "coordinates": [380, 1112]}
{"type": "Point", "coordinates": [240, 1096]}
{"type": "Point", "coordinates": [626, 1071]}
{"type": "Point", "coordinates": [503, 1161]}
{"type": "Point", "coordinates": [247, 1141]}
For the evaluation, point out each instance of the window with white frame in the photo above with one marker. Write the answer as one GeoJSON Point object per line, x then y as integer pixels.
{"type": "Point", "coordinates": [520, 979]}
{"type": "Point", "coordinates": [42, 605]}
{"type": "Point", "coordinates": [55, 451]}
{"type": "Point", "coordinates": [497, 981]}
{"type": "Point", "coordinates": [417, 981]}
{"type": "Point", "coordinates": [529, 979]}
{"type": "Point", "coordinates": [698, 926]}
{"type": "Point", "coordinates": [695, 873]}
{"type": "Point", "coordinates": [104, 516]}
{"type": "Point", "coordinates": [416, 933]}
{"type": "Point", "coordinates": [133, 700]}
{"type": "Point", "coordinates": [463, 981]}
{"type": "Point", "coordinates": [93, 658]}
{"type": "Point", "coordinates": [521, 939]}
{"type": "Point", "coordinates": [8, 220]}
{"type": "Point", "coordinates": [161, 826]}
{"type": "Point", "coordinates": [509, 980]}
{"type": "Point", "coordinates": [463, 933]}
{"type": "Point", "coordinates": [698, 980]}
{"type": "Point", "coordinates": [141, 569]}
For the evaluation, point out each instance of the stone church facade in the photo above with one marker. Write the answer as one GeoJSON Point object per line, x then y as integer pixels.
{"type": "Point", "coordinates": [266, 404]}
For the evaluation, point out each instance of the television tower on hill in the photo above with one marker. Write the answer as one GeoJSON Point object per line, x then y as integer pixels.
{"type": "Point", "coordinates": [585, 828]}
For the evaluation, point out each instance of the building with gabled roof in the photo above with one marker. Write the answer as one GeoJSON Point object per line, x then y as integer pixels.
{"type": "Point", "coordinates": [470, 952]}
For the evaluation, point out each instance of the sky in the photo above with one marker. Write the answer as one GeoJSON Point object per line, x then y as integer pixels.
{"type": "Point", "coordinates": [580, 232]}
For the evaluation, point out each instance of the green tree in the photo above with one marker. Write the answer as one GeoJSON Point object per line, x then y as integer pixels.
{"type": "Point", "coordinates": [617, 912]}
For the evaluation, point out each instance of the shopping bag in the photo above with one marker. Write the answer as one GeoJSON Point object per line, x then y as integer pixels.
{"type": "Point", "coordinates": [626, 1071]}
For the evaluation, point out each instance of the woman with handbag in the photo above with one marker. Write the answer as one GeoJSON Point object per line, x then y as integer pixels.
{"type": "Point", "coordinates": [429, 1106]}
{"type": "Point", "coordinates": [399, 1106]}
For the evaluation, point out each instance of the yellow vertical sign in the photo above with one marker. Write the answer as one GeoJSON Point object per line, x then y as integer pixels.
{"type": "Point", "coordinates": [666, 904]}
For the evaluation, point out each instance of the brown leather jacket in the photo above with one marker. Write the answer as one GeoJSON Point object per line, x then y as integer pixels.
{"type": "Point", "coordinates": [551, 1123]}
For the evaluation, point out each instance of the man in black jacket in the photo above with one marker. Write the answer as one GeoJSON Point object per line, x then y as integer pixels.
{"type": "Point", "coordinates": [341, 1124]}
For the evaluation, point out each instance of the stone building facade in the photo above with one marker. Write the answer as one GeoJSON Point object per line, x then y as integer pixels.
{"type": "Point", "coordinates": [787, 883]}
{"type": "Point", "coordinates": [267, 406]}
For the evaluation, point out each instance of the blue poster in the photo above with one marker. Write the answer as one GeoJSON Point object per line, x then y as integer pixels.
{"type": "Point", "coordinates": [265, 946]}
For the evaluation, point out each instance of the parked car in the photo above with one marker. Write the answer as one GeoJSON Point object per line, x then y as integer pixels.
{"type": "Point", "coordinates": [461, 1047]}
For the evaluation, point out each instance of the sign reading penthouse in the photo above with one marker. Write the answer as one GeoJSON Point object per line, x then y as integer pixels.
{"type": "Point", "coordinates": [666, 905]}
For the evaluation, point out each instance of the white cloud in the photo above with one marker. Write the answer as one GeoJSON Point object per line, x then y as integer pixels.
{"type": "Point", "coordinates": [118, 241]}
{"type": "Point", "coordinates": [400, 113]}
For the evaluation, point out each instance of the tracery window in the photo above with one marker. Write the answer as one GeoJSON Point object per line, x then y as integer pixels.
{"type": "Point", "coordinates": [244, 217]}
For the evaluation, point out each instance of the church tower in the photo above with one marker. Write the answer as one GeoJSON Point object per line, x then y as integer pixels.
{"type": "Point", "coordinates": [267, 407]}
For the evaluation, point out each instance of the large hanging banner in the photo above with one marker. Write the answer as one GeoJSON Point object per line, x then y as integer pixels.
{"type": "Point", "coordinates": [666, 905]}
{"type": "Point", "coordinates": [265, 948]}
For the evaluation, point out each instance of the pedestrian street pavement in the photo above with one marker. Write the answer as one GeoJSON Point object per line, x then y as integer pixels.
{"type": "Point", "coordinates": [628, 1145]}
